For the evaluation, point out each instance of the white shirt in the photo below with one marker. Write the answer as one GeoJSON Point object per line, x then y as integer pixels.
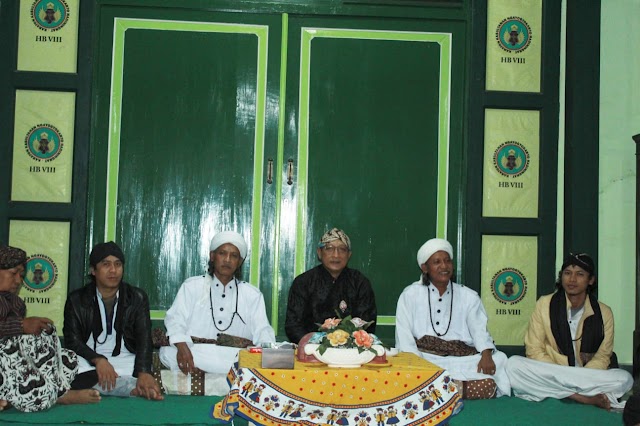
{"type": "Point", "coordinates": [466, 322]}
{"type": "Point", "coordinates": [106, 343]}
{"type": "Point", "coordinates": [574, 321]}
{"type": "Point", "coordinates": [204, 299]}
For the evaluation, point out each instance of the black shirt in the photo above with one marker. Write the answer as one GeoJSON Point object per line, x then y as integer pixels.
{"type": "Point", "coordinates": [315, 296]}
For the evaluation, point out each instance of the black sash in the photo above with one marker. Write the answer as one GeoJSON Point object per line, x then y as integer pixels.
{"type": "Point", "coordinates": [592, 328]}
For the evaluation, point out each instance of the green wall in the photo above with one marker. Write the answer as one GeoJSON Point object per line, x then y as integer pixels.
{"type": "Point", "coordinates": [619, 120]}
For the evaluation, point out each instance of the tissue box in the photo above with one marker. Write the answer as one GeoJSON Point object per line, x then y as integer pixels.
{"type": "Point", "coordinates": [279, 357]}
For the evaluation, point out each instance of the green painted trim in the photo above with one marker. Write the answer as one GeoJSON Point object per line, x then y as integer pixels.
{"type": "Point", "coordinates": [113, 150]}
{"type": "Point", "coordinates": [158, 315]}
{"type": "Point", "coordinates": [308, 34]}
{"type": "Point", "coordinates": [443, 135]}
{"type": "Point", "coordinates": [279, 170]}
{"type": "Point", "coordinates": [386, 320]}
{"type": "Point", "coordinates": [121, 25]}
{"type": "Point", "coordinates": [262, 32]}
{"type": "Point", "coordinates": [303, 152]}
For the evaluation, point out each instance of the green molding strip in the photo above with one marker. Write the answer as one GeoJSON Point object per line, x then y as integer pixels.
{"type": "Point", "coordinates": [386, 320]}
{"type": "Point", "coordinates": [158, 315]}
{"type": "Point", "coordinates": [443, 134]}
{"type": "Point", "coordinates": [121, 25]}
{"type": "Point", "coordinates": [308, 34]}
{"type": "Point", "coordinates": [275, 288]}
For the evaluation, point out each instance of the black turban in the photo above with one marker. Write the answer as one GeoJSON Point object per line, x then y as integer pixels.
{"type": "Point", "coordinates": [582, 260]}
{"type": "Point", "coordinates": [102, 250]}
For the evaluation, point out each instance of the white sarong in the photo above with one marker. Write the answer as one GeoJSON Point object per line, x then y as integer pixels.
{"type": "Point", "coordinates": [534, 380]}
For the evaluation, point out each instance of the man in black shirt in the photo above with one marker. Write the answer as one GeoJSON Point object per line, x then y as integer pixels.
{"type": "Point", "coordinates": [107, 323]}
{"type": "Point", "coordinates": [329, 288]}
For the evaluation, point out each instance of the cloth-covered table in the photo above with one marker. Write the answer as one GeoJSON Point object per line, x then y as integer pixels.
{"type": "Point", "coordinates": [407, 390]}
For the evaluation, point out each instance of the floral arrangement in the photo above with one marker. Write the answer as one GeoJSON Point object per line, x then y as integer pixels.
{"type": "Point", "coordinates": [346, 333]}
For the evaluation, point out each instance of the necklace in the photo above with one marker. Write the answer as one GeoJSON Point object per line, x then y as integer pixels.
{"type": "Point", "coordinates": [234, 313]}
{"type": "Point", "coordinates": [450, 313]}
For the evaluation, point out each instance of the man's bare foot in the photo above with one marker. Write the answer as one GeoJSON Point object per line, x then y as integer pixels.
{"type": "Point", "coordinates": [4, 404]}
{"type": "Point", "coordinates": [599, 400]}
{"type": "Point", "coordinates": [84, 396]}
{"type": "Point", "coordinates": [152, 394]}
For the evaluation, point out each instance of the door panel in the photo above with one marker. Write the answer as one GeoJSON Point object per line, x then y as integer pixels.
{"type": "Point", "coordinates": [374, 105]}
{"type": "Point", "coordinates": [200, 172]}
{"type": "Point", "coordinates": [186, 144]}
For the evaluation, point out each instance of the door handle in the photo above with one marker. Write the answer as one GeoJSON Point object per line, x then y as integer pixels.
{"type": "Point", "coordinates": [290, 171]}
{"type": "Point", "coordinates": [270, 171]}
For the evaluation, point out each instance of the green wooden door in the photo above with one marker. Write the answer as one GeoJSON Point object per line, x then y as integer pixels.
{"type": "Point", "coordinates": [182, 140]}
{"type": "Point", "coordinates": [377, 147]}
{"type": "Point", "coordinates": [199, 128]}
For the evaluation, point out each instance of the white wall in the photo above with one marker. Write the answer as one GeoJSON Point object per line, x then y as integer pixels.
{"type": "Point", "coordinates": [619, 120]}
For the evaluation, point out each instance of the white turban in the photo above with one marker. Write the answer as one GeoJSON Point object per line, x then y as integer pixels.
{"type": "Point", "coordinates": [230, 237]}
{"type": "Point", "coordinates": [430, 247]}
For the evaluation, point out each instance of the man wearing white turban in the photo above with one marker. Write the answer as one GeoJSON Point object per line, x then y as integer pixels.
{"type": "Point", "coordinates": [212, 305]}
{"type": "Point", "coordinates": [445, 323]}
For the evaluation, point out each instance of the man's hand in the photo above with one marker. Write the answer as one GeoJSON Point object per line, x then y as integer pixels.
{"type": "Point", "coordinates": [36, 325]}
{"type": "Point", "coordinates": [486, 364]}
{"type": "Point", "coordinates": [147, 387]}
{"type": "Point", "coordinates": [106, 374]}
{"type": "Point", "coordinates": [185, 359]}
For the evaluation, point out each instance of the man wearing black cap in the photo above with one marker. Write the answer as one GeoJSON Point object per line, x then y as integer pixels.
{"type": "Point", "coordinates": [570, 328]}
{"type": "Point", "coordinates": [107, 323]}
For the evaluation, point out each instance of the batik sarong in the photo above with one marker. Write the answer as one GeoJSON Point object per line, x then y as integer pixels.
{"type": "Point", "coordinates": [35, 371]}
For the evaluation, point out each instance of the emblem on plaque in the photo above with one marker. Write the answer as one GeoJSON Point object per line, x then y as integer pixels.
{"type": "Point", "coordinates": [41, 273]}
{"type": "Point", "coordinates": [50, 15]}
{"type": "Point", "coordinates": [513, 34]}
{"type": "Point", "coordinates": [509, 286]}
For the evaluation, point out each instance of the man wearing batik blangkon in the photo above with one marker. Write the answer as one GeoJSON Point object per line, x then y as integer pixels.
{"type": "Point", "coordinates": [329, 288]}
{"type": "Point", "coordinates": [569, 344]}
{"type": "Point", "coordinates": [35, 372]}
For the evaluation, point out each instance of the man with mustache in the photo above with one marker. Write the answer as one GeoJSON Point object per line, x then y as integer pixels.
{"type": "Point", "coordinates": [570, 328]}
{"type": "Point", "coordinates": [212, 306]}
{"type": "Point", "coordinates": [445, 323]}
{"type": "Point", "coordinates": [108, 324]}
{"type": "Point", "coordinates": [329, 289]}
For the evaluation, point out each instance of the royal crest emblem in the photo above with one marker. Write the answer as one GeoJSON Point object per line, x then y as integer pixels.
{"type": "Point", "coordinates": [50, 15]}
{"type": "Point", "coordinates": [509, 286]}
{"type": "Point", "coordinates": [44, 142]}
{"type": "Point", "coordinates": [41, 273]}
{"type": "Point", "coordinates": [511, 159]}
{"type": "Point", "coordinates": [513, 34]}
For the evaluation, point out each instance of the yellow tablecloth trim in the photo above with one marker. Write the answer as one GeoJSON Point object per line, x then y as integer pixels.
{"type": "Point", "coordinates": [338, 387]}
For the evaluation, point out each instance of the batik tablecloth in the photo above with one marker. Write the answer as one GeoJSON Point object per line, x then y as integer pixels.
{"type": "Point", "coordinates": [408, 390]}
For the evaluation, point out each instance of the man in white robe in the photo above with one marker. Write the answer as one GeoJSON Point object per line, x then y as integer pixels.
{"type": "Point", "coordinates": [438, 308]}
{"type": "Point", "coordinates": [209, 305]}
{"type": "Point", "coordinates": [569, 344]}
